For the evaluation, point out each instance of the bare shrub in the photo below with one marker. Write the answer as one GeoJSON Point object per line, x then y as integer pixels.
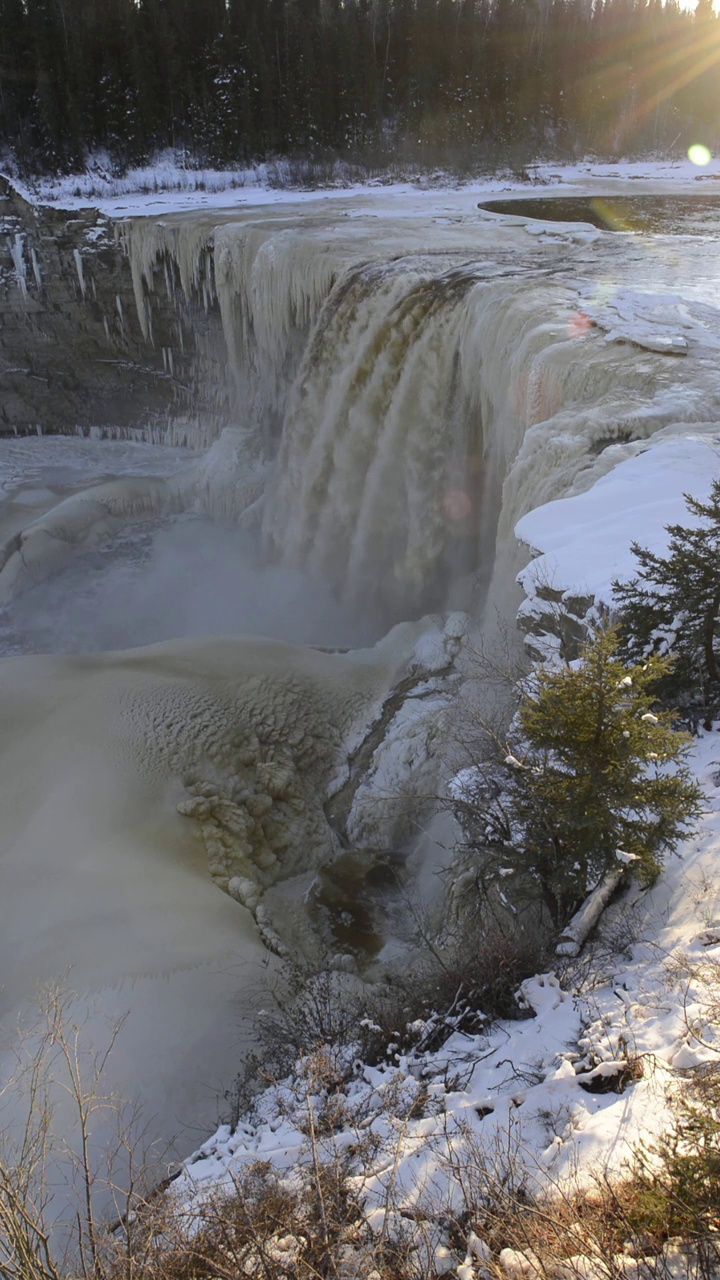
{"type": "Point", "coordinates": [312, 1223]}
{"type": "Point", "coordinates": [667, 1203]}
{"type": "Point", "coordinates": [269, 1228]}
{"type": "Point", "coordinates": [465, 981]}
{"type": "Point", "coordinates": [461, 981]}
{"type": "Point", "coordinates": [623, 926]}
{"type": "Point", "coordinates": [308, 1011]}
{"type": "Point", "coordinates": [54, 1171]}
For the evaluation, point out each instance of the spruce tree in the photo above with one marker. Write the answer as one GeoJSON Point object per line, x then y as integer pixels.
{"type": "Point", "coordinates": [672, 606]}
{"type": "Point", "coordinates": [593, 777]}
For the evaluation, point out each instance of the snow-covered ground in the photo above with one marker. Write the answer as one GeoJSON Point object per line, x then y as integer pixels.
{"type": "Point", "coordinates": [582, 543]}
{"type": "Point", "coordinates": [521, 1089]}
{"type": "Point", "coordinates": [166, 187]}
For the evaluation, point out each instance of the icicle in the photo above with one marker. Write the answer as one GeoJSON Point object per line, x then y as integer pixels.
{"type": "Point", "coordinates": [424, 402]}
{"type": "Point", "coordinates": [80, 271]}
{"type": "Point", "coordinates": [267, 284]}
{"type": "Point", "coordinates": [17, 246]}
{"type": "Point", "coordinates": [36, 267]}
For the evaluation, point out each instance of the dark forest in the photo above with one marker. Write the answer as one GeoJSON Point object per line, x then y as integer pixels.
{"type": "Point", "coordinates": [462, 84]}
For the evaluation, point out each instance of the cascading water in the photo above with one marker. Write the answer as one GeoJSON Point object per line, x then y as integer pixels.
{"type": "Point", "coordinates": [397, 394]}
{"type": "Point", "coordinates": [414, 404]}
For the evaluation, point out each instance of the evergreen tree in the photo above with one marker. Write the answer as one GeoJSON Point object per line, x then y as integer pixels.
{"type": "Point", "coordinates": [447, 82]}
{"type": "Point", "coordinates": [17, 83]}
{"type": "Point", "coordinates": [673, 606]}
{"type": "Point", "coordinates": [592, 777]}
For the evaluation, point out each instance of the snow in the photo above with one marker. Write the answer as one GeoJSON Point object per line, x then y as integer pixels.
{"type": "Point", "coordinates": [584, 541]}
{"type": "Point", "coordinates": [657, 321]}
{"type": "Point", "coordinates": [166, 187]}
{"type": "Point", "coordinates": [519, 1085]}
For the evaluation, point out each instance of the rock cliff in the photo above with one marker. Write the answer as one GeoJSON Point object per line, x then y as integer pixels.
{"type": "Point", "coordinates": [72, 353]}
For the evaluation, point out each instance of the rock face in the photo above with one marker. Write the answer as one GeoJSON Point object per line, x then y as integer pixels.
{"type": "Point", "coordinates": [555, 622]}
{"type": "Point", "coordinates": [72, 353]}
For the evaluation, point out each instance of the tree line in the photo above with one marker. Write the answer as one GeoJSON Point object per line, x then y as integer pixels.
{"type": "Point", "coordinates": [458, 83]}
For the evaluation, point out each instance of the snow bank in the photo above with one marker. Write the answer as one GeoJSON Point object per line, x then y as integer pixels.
{"type": "Point", "coordinates": [168, 185]}
{"type": "Point", "coordinates": [582, 544]}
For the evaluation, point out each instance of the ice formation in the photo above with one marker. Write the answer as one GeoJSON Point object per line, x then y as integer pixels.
{"type": "Point", "coordinates": [420, 386]}
{"type": "Point", "coordinates": [129, 781]}
{"type": "Point", "coordinates": [226, 484]}
{"type": "Point", "coordinates": [404, 391]}
{"type": "Point", "coordinates": [17, 253]}
{"type": "Point", "coordinates": [80, 271]}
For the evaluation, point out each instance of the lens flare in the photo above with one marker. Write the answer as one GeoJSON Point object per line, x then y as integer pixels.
{"type": "Point", "coordinates": [699, 154]}
{"type": "Point", "coordinates": [579, 325]}
{"type": "Point", "coordinates": [612, 217]}
{"type": "Point", "coordinates": [457, 505]}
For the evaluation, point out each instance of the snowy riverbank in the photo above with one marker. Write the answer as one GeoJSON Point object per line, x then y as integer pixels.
{"type": "Point", "coordinates": [569, 1094]}
{"type": "Point", "coordinates": [166, 186]}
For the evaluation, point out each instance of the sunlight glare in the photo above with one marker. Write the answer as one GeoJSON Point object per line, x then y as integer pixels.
{"type": "Point", "coordinates": [699, 154]}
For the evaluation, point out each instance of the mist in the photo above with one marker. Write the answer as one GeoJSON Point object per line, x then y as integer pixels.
{"type": "Point", "coordinates": [186, 577]}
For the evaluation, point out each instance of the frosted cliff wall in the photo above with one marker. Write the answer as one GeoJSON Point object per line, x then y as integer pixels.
{"type": "Point", "coordinates": [72, 352]}
{"type": "Point", "coordinates": [252, 294]}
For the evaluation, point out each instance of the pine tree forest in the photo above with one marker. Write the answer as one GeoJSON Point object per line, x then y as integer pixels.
{"type": "Point", "coordinates": [458, 83]}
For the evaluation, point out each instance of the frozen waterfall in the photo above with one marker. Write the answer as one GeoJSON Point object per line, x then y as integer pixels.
{"type": "Point", "coordinates": [401, 390]}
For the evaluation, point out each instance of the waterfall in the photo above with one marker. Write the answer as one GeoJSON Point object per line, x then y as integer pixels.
{"type": "Point", "coordinates": [379, 470]}
{"type": "Point", "coordinates": [414, 401]}
{"type": "Point", "coordinates": [395, 395]}
{"type": "Point", "coordinates": [267, 286]}
{"type": "Point", "coordinates": [431, 410]}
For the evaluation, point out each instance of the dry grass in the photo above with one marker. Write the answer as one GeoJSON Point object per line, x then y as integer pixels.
{"type": "Point", "coordinates": [312, 1223]}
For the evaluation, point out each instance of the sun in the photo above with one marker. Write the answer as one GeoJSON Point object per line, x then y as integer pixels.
{"type": "Point", "coordinates": [692, 65]}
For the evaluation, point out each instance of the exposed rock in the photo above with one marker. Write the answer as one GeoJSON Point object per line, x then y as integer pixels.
{"type": "Point", "coordinates": [72, 353]}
